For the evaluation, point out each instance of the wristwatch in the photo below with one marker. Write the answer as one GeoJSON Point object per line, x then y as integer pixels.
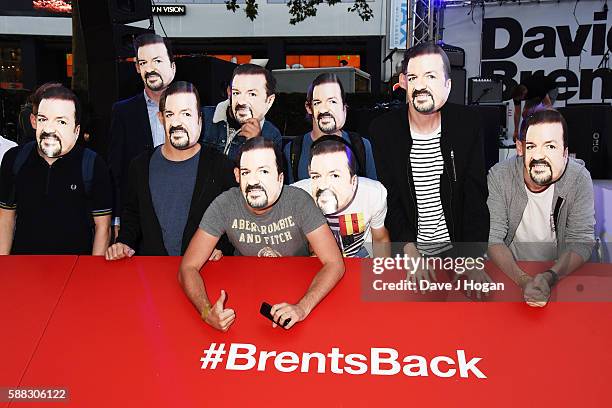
{"type": "Point", "coordinates": [555, 277]}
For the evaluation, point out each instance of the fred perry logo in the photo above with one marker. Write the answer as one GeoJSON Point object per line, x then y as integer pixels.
{"type": "Point", "coordinates": [73, 187]}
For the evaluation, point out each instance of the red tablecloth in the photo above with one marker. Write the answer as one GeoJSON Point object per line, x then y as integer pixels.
{"type": "Point", "coordinates": [30, 287]}
{"type": "Point", "coordinates": [123, 334]}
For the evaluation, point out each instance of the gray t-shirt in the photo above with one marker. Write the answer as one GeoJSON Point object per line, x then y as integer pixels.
{"type": "Point", "coordinates": [171, 184]}
{"type": "Point", "coordinates": [279, 232]}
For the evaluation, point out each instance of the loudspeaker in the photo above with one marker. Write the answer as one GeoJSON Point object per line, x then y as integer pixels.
{"type": "Point", "coordinates": [456, 55]}
{"type": "Point", "coordinates": [95, 13]}
{"type": "Point", "coordinates": [111, 42]}
{"type": "Point", "coordinates": [493, 121]}
{"type": "Point", "coordinates": [589, 128]}
{"type": "Point", "coordinates": [484, 90]}
{"type": "Point", "coordinates": [457, 93]}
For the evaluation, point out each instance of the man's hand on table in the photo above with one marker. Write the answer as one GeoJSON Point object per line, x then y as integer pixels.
{"type": "Point", "coordinates": [216, 255]}
{"type": "Point", "coordinates": [537, 291]}
{"type": "Point", "coordinates": [475, 275]}
{"type": "Point", "coordinates": [218, 317]}
{"type": "Point", "coordinates": [283, 311]}
{"type": "Point", "coordinates": [419, 274]}
{"type": "Point", "coordinates": [118, 251]}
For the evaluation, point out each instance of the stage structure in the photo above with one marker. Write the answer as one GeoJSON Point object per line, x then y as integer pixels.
{"type": "Point", "coordinates": [424, 21]}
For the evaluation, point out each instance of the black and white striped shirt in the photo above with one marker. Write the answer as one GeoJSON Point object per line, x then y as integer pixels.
{"type": "Point", "coordinates": [427, 166]}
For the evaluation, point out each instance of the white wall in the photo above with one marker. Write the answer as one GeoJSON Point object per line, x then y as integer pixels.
{"type": "Point", "coordinates": [35, 25]}
{"type": "Point", "coordinates": [214, 20]}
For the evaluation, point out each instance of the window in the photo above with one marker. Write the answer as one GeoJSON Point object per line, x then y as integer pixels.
{"type": "Point", "coordinates": [10, 67]}
{"type": "Point", "coordinates": [238, 59]}
{"type": "Point", "coordinates": [322, 61]}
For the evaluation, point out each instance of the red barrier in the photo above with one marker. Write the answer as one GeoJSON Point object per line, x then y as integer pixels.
{"type": "Point", "coordinates": [30, 287]}
{"type": "Point", "coordinates": [124, 334]}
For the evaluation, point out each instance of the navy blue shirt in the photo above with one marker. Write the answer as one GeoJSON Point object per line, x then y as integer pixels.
{"type": "Point", "coordinates": [171, 184]}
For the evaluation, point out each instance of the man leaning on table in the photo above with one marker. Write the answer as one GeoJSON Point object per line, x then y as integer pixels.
{"type": "Point", "coordinates": [266, 219]}
{"type": "Point", "coordinates": [541, 206]}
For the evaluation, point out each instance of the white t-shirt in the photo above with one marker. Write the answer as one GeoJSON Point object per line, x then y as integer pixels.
{"type": "Point", "coordinates": [5, 146]}
{"type": "Point", "coordinates": [535, 238]}
{"type": "Point", "coordinates": [352, 226]}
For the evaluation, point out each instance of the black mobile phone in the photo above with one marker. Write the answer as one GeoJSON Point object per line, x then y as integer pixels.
{"type": "Point", "coordinates": [265, 311]}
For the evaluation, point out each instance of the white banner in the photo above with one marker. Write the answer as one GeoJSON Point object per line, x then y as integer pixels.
{"type": "Point", "coordinates": [398, 26]}
{"type": "Point", "coordinates": [516, 41]}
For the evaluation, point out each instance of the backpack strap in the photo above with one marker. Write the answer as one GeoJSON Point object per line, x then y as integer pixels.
{"type": "Point", "coordinates": [87, 169]}
{"type": "Point", "coordinates": [294, 155]}
{"type": "Point", "coordinates": [22, 156]}
{"type": "Point", "coordinates": [359, 148]}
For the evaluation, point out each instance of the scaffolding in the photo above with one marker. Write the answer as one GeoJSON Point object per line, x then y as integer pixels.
{"type": "Point", "coordinates": [424, 21]}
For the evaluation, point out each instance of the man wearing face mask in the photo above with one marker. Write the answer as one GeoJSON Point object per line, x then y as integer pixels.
{"type": "Point", "coordinates": [262, 218]}
{"type": "Point", "coordinates": [430, 158]}
{"type": "Point", "coordinates": [326, 108]}
{"type": "Point", "coordinates": [171, 186]}
{"type": "Point", "coordinates": [241, 117]}
{"type": "Point", "coordinates": [55, 196]}
{"type": "Point", "coordinates": [134, 124]}
{"type": "Point", "coordinates": [27, 116]}
{"type": "Point", "coordinates": [542, 208]}
{"type": "Point", "coordinates": [355, 207]}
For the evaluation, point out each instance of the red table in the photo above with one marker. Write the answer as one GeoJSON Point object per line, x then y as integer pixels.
{"type": "Point", "coordinates": [124, 334]}
{"type": "Point", "coordinates": [30, 287]}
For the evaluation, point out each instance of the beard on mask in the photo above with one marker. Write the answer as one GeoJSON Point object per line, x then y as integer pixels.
{"type": "Point", "coordinates": [423, 107]}
{"type": "Point", "coordinates": [330, 127]}
{"type": "Point", "coordinates": [540, 172]}
{"type": "Point", "coordinates": [181, 139]}
{"type": "Point", "coordinates": [327, 201]}
{"type": "Point", "coordinates": [160, 83]}
{"type": "Point", "coordinates": [50, 144]}
{"type": "Point", "coordinates": [259, 202]}
{"type": "Point", "coordinates": [242, 113]}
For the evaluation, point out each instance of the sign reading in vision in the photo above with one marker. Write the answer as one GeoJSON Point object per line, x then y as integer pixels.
{"type": "Point", "coordinates": [169, 10]}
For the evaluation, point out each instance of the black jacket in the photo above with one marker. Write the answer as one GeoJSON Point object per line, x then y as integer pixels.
{"type": "Point", "coordinates": [463, 184]}
{"type": "Point", "coordinates": [140, 227]}
{"type": "Point", "coordinates": [130, 135]}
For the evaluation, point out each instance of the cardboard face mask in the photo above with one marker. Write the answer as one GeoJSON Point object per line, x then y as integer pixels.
{"type": "Point", "coordinates": [545, 154]}
{"type": "Point", "coordinates": [327, 108]}
{"type": "Point", "coordinates": [332, 185]}
{"type": "Point", "coordinates": [181, 120]}
{"type": "Point", "coordinates": [425, 82]}
{"type": "Point", "coordinates": [249, 98]}
{"type": "Point", "coordinates": [260, 182]}
{"type": "Point", "coordinates": [56, 130]}
{"type": "Point", "coordinates": [154, 66]}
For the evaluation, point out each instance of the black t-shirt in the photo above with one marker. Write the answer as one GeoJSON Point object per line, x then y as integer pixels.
{"type": "Point", "coordinates": [54, 213]}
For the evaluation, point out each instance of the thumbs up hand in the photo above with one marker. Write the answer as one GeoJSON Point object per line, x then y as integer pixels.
{"type": "Point", "coordinates": [219, 317]}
